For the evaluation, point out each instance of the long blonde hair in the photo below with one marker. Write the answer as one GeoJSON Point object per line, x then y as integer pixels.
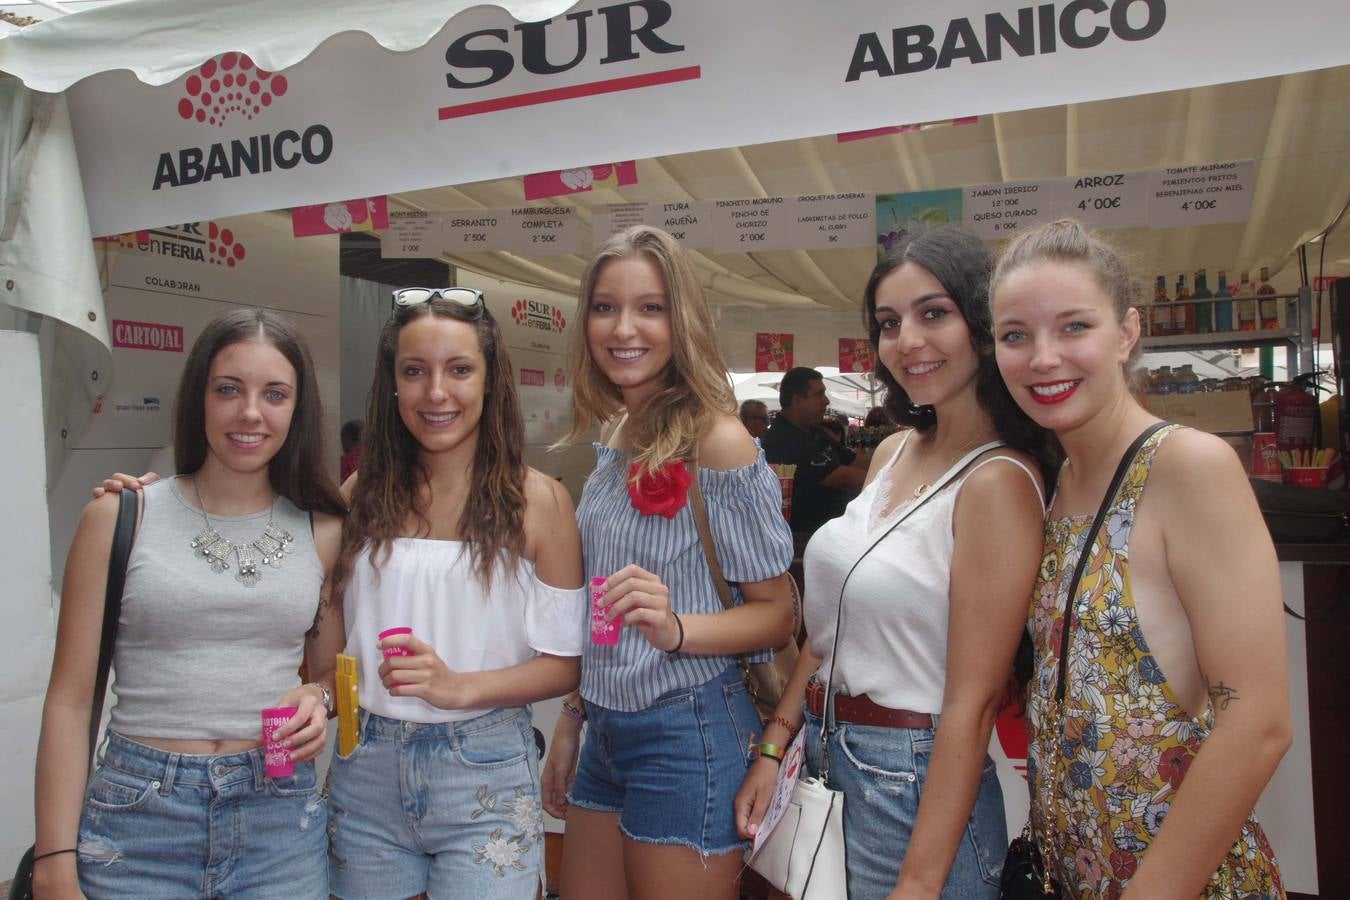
{"type": "Point", "coordinates": [694, 388]}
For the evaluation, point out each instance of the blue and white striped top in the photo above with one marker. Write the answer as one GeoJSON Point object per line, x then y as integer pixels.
{"type": "Point", "coordinates": [753, 544]}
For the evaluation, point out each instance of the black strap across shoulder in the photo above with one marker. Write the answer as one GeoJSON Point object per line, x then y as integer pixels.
{"type": "Point", "coordinates": [123, 533]}
{"type": "Point", "coordinates": [1107, 502]}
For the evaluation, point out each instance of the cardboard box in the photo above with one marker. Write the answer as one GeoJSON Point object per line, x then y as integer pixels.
{"type": "Point", "coordinates": [1218, 412]}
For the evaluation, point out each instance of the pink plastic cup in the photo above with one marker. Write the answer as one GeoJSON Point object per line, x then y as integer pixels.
{"type": "Point", "coordinates": [602, 632]}
{"type": "Point", "coordinates": [395, 651]}
{"type": "Point", "coordinates": [277, 761]}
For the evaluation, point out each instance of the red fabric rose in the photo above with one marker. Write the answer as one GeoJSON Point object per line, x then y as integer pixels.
{"type": "Point", "coordinates": [661, 492]}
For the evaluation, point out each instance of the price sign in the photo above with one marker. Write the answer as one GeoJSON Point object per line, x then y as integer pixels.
{"type": "Point", "coordinates": [474, 231]}
{"type": "Point", "coordinates": [1207, 194]}
{"type": "Point", "coordinates": [1117, 200]}
{"type": "Point", "coordinates": [543, 231]}
{"type": "Point", "coordinates": [996, 211]}
{"type": "Point", "coordinates": [805, 222]}
{"type": "Point", "coordinates": [412, 235]}
{"type": "Point", "coordinates": [688, 221]}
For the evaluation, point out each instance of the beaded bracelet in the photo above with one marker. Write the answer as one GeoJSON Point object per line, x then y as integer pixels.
{"type": "Point", "coordinates": [791, 729]}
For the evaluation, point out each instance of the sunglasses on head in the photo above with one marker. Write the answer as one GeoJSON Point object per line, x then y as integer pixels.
{"type": "Point", "coordinates": [470, 297]}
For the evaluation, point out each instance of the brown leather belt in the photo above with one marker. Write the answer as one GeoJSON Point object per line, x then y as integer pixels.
{"type": "Point", "coordinates": [860, 710]}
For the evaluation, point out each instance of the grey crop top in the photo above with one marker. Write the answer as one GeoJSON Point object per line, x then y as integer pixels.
{"type": "Point", "coordinates": [200, 655]}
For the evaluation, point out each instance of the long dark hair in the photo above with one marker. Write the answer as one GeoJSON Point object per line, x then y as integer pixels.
{"type": "Point", "coordinates": [297, 472]}
{"type": "Point", "coordinates": [962, 265]}
{"type": "Point", "coordinates": [391, 469]}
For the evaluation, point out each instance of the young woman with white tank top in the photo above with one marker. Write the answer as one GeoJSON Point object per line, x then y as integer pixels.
{"type": "Point", "coordinates": [931, 615]}
{"type": "Point", "coordinates": [225, 593]}
{"type": "Point", "coordinates": [452, 536]}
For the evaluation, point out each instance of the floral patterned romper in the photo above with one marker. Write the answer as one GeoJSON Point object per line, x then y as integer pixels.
{"type": "Point", "coordinates": [1102, 784]}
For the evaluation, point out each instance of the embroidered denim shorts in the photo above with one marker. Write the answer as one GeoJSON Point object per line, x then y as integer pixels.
{"type": "Point", "coordinates": [450, 809]}
{"type": "Point", "coordinates": [160, 824]}
{"type": "Point", "coordinates": [881, 772]}
{"type": "Point", "coordinates": [672, 770]}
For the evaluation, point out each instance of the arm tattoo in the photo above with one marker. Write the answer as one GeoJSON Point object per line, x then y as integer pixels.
{"type": "Point", "coordinates": [313, 632]}
{"type": "Point", "coordinates": [1220, 695]}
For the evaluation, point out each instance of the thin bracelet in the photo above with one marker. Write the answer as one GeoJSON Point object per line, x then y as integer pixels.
{"type": "Point", "coordinates": [54, 853]}
{"type": "Point", "coordinates": [572, 711]}
{"type": "Point", "coordinates": [791, 729]}
{"type": "Point", "coordinates": [680, 643]}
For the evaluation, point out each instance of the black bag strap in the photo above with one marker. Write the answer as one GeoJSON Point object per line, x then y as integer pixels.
{"type": "Point", "coordinates": [123, 533]}
{"type": "Point", "coordinates": [1108, 502]}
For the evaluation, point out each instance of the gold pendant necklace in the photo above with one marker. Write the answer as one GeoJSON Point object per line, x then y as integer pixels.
{"type": "Point", "coordinates": [924, 487]}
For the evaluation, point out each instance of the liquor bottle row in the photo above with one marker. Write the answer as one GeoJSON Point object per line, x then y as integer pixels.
{"type": "Point", "coordinates": [1239, 307]}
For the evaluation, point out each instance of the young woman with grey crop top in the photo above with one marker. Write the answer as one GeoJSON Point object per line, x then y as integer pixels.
{"type": "Point", "coordinates": [453, 537]}
{"type": "Point", "coordinates": [225, 593]}
{"type": "Point", "coordinates": [929, 617]}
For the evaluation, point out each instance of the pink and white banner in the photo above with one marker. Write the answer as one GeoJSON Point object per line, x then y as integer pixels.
{"type": "Point", "coordinates": [488, 97]}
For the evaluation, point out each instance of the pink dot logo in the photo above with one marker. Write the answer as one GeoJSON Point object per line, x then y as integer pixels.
{"type": "Point", "coordinates": [228, 86]}
{"type": "Point", "coordinates": [222, 248]}
{"type": "Point", "coordinates": [519, 313]}
{"type": "Point", "coordinates": [559, 320]}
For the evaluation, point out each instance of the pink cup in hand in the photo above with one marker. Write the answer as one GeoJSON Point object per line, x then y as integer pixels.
{"type": "Point", "coordinates": [602, 632]}
{"type": "Point", "coordinates": [277, 762]}
{"type": "Point", "coordinates": [395, 651]}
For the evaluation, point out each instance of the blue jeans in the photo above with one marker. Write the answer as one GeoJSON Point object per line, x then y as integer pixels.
{"type": "Point", "coordinates": [160, 824]}
{"type": "Point", "coordinates": [672, 770]}
{"type": "Point", "coordinates": [881, 772]}
{"type": "Point", "coordinates": [450, 809]}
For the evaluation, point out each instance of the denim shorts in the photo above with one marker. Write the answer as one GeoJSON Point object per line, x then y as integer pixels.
{"type": "Point", "coordinates": [881, 772]}
{"type": "Point", "coordinates": [160, 824]}
{"type": "Point", "coordinates": [672, 770]}
{"type": "Point", "coordinates": [450, 809]}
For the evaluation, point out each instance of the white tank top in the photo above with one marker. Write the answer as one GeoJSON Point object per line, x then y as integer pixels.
{"type": "Point", "coordinates": [430, 587]}
{"type": "Point", "coordinates": [894, 642]}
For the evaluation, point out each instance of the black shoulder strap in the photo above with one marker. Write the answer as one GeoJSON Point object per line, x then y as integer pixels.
{"type": "Point", "coordinates": [123, 533]}
{"type": "Point", "coordinates": [1107, 502]}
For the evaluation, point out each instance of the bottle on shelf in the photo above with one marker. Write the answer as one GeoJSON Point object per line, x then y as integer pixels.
{"type": "Point", "coordinates": [1204, 312]}
{"type": "Point", "coordinates": [1246, 304]}
{"type": "Point", "coordinates": [1183, 316]}
{"type": "Point", "coordinates": [1269, 309]}
{"type": "Point", "coordinates": [1160, 313]}
{"type": "Point", "coordinates": [1187, 381]}
{"type": "Point", "coordinates": [1223, 307]}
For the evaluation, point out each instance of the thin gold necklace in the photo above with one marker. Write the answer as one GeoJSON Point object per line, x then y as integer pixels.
{"type": "Point", "coordinates": [925, 486]}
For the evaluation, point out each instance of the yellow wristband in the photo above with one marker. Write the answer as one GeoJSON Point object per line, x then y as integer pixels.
{"type": "Point", "coordinates": [773, 751]}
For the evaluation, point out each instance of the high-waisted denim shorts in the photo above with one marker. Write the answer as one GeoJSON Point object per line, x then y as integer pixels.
{"type": "Point", "coordinates": [672, 770]}
{"type": "Point", "coordinates": [450, 809]}
{"type": "Point", "coordinates": [881, 772]}
{"type": "Point", "coordinates": [160, 824]}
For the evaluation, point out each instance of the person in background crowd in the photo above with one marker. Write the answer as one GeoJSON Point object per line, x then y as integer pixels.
{"type": "Point", "coordinates": [931, 616]}
{"type": "Point", "coordinates": [826, 477]}
{"type": "Point", "coordinates": [670, 717]}
{"type": "Point", "coordinates": [212, 633]}
{"type": "Point", "coordinates": [877, 417]}
{"type": "Point", "coordinates": [453, 537]}
{"type": "Point", "coordinates": [755, 418]}
{"type": "Point", "coordinates": [1176, 704]}
{"type": "Point", "coordinates": [351, 447]}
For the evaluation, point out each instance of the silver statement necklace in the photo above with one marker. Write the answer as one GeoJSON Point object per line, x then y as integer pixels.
{"type": "Point", "coordinates": [211, 546]}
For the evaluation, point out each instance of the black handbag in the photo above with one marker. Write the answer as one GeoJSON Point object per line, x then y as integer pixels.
{"type": "Point", "coordinates": [1025, 876]}
{"type": "Point", "coordinates": [21, 888]}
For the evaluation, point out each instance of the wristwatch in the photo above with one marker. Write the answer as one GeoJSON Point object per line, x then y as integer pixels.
{"type": "Point", "coordinates": [326, 694]}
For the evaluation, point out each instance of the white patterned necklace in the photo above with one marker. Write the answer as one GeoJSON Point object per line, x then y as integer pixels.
{"type": "Point", "coordinates": [212, 546]}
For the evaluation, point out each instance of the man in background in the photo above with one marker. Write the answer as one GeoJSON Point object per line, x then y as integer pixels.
{"type": "Point", "coordinates": [755, 417]}
{"type": "Point", "coordinates": [828, 475]}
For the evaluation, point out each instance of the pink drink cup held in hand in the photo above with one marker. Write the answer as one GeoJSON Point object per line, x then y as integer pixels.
{"type": "Point", "coordinates": [602, 632]}
{"type": "Point", "coordinates": [277, 761]}
{"type": "Point", "coordinates": [395, 651]}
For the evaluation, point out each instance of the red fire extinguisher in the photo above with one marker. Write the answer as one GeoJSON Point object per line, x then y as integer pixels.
{"type": "Point", "coordinates": [1296, 414]}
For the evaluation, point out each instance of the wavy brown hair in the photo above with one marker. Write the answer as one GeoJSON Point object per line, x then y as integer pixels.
{"type": "Point", "coordinates": [694, 387]}
{"type": "Point", "coordinates": [297, 471]}
{"type": "Point", "coordinates": [391, 472]}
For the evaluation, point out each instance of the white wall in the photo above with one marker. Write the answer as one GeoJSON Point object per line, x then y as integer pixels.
{"type": "Point", "coordinates": [29, 622]}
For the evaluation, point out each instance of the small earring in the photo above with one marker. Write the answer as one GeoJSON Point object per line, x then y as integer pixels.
{"type": "Point", "coordinates": [395, 393]}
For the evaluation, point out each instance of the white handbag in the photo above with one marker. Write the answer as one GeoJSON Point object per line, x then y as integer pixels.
{"type": "Point", "coordinates": [801, 849]}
